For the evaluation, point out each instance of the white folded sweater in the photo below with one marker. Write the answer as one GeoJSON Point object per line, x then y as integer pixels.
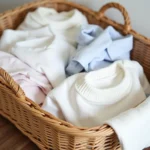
{"type": "Point", "coordinates": [89, 99]}
{"type": "Point", "coordinates": [46, 55]}
{"type": "Point", "coordinates": [66, 24]}
{"type": "Point", "coordinates": [39, 49]}
{"type": "Point", "coordinates": [11, 37]}
{"type": "Point", "coordinates": [133, 127]}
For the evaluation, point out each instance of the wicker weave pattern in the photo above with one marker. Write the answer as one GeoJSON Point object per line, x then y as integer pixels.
{"type": "Point", "coordinates": [42, 128]}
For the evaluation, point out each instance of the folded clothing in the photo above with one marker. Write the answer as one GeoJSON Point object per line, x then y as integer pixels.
{"type": "Point", "coordinates": [50, 58]}
{"type": "Point", "coordinates": [89, 99]}
{"type": "Point", "coordinates": [45, 41]}
{"type": "Point", "coordinates": [35, 85]}
{"type": "Point", "coordinates": [65, 24]}
{"type": "Point", "coordinates": [11, 37]}
{"type": "Point", "coordinates": [98, 48]}
{"type": "Point", "coordinates": [31, 89]}
{"type": "Point", "coordinates": [133, 127]}
{"type": "Point", "coordinates": [42, 51]}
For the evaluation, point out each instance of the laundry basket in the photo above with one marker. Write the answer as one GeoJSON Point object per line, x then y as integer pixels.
{"type": "Point", "coordinates": [45, 130]}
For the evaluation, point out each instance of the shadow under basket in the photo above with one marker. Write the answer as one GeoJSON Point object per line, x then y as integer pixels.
{"type": "Point", "coordinates": [45, 130]}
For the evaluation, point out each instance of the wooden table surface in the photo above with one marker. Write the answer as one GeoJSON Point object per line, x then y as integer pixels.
{"type": "Point", "coordinates": [12, 139]}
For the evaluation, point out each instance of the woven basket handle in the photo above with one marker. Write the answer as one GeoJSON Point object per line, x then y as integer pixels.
{"type": "Point", "coordinates": [7, 80]}
{"type": "Point", "coordinates": [127, 23]}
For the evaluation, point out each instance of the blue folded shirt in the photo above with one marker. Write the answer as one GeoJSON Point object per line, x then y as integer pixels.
{"type": "Point", "coordinates": [98, 48]}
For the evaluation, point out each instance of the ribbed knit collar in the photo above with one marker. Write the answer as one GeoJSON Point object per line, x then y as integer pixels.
{"type": "Point", "coordinates": [87, 86]}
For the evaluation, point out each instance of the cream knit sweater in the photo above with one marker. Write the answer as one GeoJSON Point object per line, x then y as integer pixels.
{"type": "Point", "coordinates": [89, 99]}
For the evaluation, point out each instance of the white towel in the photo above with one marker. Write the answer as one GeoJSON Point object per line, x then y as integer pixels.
{"type": "Point", "coordinates": [133, 127]}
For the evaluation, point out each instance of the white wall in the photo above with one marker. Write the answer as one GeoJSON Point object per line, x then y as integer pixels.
{"type": "Point", "coordinates": [139, 11]}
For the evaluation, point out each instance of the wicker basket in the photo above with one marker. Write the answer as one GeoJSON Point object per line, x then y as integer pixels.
{"type": "Point", "coordinates": [46, 131]}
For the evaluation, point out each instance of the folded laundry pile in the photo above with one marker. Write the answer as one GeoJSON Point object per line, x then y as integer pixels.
{"type": "Point", "coordinates": [79, 72]}
{"type": "Point", "coordinates": [49, 35]}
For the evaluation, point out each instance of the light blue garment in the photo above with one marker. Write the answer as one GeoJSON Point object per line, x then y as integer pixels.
{"type": "Point", "coordinates": [98, 48]}
{"type": "Point", "coordinates": [87, 34]}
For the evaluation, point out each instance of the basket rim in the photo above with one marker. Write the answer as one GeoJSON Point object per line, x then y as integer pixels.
{"type": "Point", "coordinates": [58, 124]}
